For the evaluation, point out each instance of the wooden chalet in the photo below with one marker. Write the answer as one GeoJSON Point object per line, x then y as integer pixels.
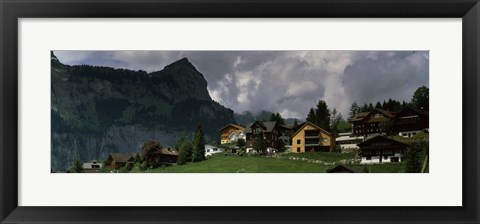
{"type": "Point", "coordinates": [380, 149]}
{"type": "Point", "coordinates": [270, 131]}
{"type": "Point", "coordinates": [370, 123]}
{"type": "Point", "coordinates": [119, 160]}
{"type": "Point", "coordinates": [311, 138]}
{"type": "Point", "coordinates": [155, 156]}
{"type": "Point", "coordinates": [409, 122]}
{"type": "Point", "coordinates": [230, 130]}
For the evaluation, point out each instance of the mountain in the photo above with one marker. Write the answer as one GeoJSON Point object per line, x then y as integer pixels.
{"type": "Point", "coordinates": [248, 117]}
{"type": "Point", "coordinates": [98, 110]}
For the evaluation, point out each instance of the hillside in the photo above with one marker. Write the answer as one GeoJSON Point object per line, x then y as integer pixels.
{"type": "Point", "coordinates": [98, 110]}
{"type": "Point", "coordinates": [248, 117]}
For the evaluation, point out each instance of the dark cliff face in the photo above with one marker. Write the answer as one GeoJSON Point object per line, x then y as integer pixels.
{"type": "Point", "coordinates": [98, 110]}
{"type": "Point", "coordinates": [190, 83]}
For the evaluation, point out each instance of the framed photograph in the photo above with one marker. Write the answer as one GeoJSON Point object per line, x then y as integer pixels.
{"type": "Point", "coordinates": [246, 112]}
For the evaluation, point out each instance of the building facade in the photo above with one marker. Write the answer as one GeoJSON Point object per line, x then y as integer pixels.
{"type": "Point", "coordinates": [119, 160]}
{"type": "Point", "coordinates": [410, 122]}
{"type": "Point", "coordinates": [371, 123]}
{"type": "Point", "coordinates": [269, 131]}
{"type": "Point", "coordinates": [347, 142]}
{"type": "Point", "coordinates": [380, 149]}
{"type": "Point", "coordinates": [227, 131]}
{"type": "Point", "coordinates": [311, 138]}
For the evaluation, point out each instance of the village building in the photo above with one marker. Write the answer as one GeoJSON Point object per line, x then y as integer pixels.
{"type": "Point", "coordinates": [311, 138]}
{"type": "Point", "coordinates": [380, 149]}
{"type": "Point", "coordinates": [270, 131]}
{"type": "Point", "coordinates": [92, 167]}
{"type": "Point", "coordinates": [341, 169]}
{"type": "Point", "coordinates": [211, 149]}
{"type": "Point", "coordinates": [156, 156]}
{"type": "Point", "coordinates": [372, 123]}
{"type": "Point", "coordinates": [231, 133]}
{"type": "Point", "coordinates": [119, 160]}
{"type": "Point", "coordinates": [346, 142]}
{"type": "Point", "coordinates": [410, 122]}
{"type": "Point", "coordinates": [285, 134]}
{"type": "Point", "coordinates": [236, 135]}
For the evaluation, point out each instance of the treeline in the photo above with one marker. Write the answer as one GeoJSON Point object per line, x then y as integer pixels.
{"type": "Point", "coordinates": [420, 101]}
{"type": "Point", "coordinates": [331, 121]}
{"type": "Point", "coordinates": [334, 122]}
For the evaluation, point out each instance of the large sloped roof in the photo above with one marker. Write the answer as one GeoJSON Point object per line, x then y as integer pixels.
{"type": "Point", "coordinates": [121, 157]}
{"type": "Point", "coordinates": [363, 115]}
{"type": "Point", "coordinates": [233, 125]}
{"type": "Point", "coordinates": [359, 116]}
{"type": "Point", "coordinates": [269, 126]}
{"type": "Point", "coordinates": [314, 125]}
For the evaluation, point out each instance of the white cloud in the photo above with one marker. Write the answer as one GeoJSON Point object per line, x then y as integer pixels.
{"type": "Point", "coordinates": [288, 82]}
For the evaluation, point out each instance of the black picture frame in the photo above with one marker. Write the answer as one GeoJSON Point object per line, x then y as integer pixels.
{"type": "Point", "coordinates": [11, 11]}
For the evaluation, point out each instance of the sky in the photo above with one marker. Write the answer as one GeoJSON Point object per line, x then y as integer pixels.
{"type": "Point", "coordinates": [288, 82]}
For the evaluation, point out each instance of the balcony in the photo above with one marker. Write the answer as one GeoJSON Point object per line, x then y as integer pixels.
{"type": "Point", "coordinates": [312, 142]}
{"type": "Point", "coordinates": [310, 134]}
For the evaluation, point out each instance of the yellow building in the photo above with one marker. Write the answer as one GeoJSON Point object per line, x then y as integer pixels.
{"type": "Point", "coordinates": [311, 138]}
{"type": "Point", "coordinates": [226, 132]}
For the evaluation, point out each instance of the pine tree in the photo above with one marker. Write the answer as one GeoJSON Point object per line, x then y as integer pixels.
{"type": "Point", "coordinates": [354, 109]}
{"type": "Point", "coordinates": [198, 149]}
{"type": "Point", "coordinates": [278, 118]}
{"type": "Point", "coordinates": [335, 121]}
{"type": "Point", "coordinates": [182, 155]}
{"type": "Point", "coordinates": [413, 164]}
{"type": "Point", "coordinates": [364, 108]}
{"type": "Point", "coordinates": [370, 107]}
{"type": "Point", "coordinates": [420, 98]}
{"type": "Point", "coordinates": [322, 115]}
{"type": "Point", "coordinates": [184, 150]}
{"type": "Point", "coordinates": [184, 142]}
{"type": "Point", "coordinates": [311, 115]}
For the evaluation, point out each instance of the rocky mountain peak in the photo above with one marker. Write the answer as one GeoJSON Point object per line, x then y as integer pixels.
{"type": "Point", "coordinates": [189, 81]}
{"type": "Point", "coordinates": [181, 62]}
{"type": "Point", "coordinates": [182, 66]}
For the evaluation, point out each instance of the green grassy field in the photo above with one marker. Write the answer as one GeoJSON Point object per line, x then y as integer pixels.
{"type": "Point", "coordinates": [242, 164]}
{"type": "Point", "coordinates": [220, 163]}
{"type": "Point", "coordinates": [323, 156]}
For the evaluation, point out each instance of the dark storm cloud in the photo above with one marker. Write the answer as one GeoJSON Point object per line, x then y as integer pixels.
{"type": "Point", "coordinates": [387, 75]}
{"type": "Point", "coordinates": [289, 82]}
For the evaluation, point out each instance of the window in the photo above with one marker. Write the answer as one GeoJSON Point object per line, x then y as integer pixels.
{"type": "Point", "coordinates": [298, 149]}
{"type": "Point", "coordinates": [368, 158]}
{"type": "Point", "coordinates": [298, 141]}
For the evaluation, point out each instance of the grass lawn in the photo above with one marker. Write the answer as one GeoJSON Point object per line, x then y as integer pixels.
{"type": "Point", "coordinates": [243, 164]}
{"type": "Point", "coordinates": [381, 168]}
{"type": "Point", "coordinates": [323, 156]}
{"type": "Point", "coordinates": [219, 163]}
